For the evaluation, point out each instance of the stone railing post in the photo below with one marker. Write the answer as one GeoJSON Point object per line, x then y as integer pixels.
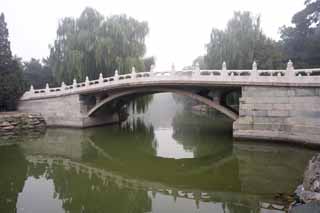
{"type": "Point", "coordinates": [47, 88]}
{"type": "Point", "coordinates": [173, 69]}
{"type": "Point", "coordinates": [116, 74]}
{"type": "Point", "coordinates": [197, 71]}
{"type": "Point", "coordinates": [74, 84]}
{"type": "Point", "coordinates": [87, 82]}
{"type": "Point", "coordinates": [152, 70]}
{"type": "Point", "coordinates": [224, 72]}
{"type": "Point", "coordinates": [133, 72]}
{"type": "Point", "coordinates": [63, 86]}
{"type": "Point", "coordinates": [31, 89]}
{"type": "Point", "coordinates": [254, 72]}
{"type": "Point", "coordinates": [290, 70]}
{"type": "Point", "coordinates": [100, 78]}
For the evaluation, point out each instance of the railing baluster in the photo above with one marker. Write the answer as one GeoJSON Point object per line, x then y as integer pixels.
{"type": "Point", "coordinates": [291, 75]}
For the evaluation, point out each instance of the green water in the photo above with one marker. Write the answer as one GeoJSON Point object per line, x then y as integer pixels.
{"type": "Point", "coordinates": [165, 160]}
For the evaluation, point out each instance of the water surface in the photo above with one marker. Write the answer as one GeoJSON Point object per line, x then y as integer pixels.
{"type": "Point", "coordinates": [165, 160]}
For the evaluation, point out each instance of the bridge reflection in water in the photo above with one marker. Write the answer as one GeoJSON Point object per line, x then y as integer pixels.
{"type": "Point", "coordinates": [118, 170]}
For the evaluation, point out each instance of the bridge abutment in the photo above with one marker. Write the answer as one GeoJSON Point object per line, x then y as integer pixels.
{"type": "Point", "coordinates": [68, 111]}
{"type": "Point", "coordinates": [279, 113]}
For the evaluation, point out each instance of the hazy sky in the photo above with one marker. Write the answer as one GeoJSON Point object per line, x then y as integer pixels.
{"type": "Point", "coordinates": [179, 29]}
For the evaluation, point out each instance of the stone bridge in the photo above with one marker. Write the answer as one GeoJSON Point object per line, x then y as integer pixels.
{"type": "Point", "coordinates": [274, 104]}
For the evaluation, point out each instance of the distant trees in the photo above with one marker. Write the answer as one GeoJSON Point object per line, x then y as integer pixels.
{"type": "Point", "coordinates": [240, 44]}
{"type": "Point", "coordinates": [199, 61]}
{"type": "Point", "coordinates": [84, 46]}
{"type": "Point", "coordinates": [148, 62]}
{"type": "Point", "coordinates": [243, 41]}
{"type": "Point", "coordinates": [11, 84]}
{"type": "Point", "coordinates": [37, 74]}
{"type": "Point", "coordinates": [92, 44]}
{"type": "Point", "coordinates": [301, 43]}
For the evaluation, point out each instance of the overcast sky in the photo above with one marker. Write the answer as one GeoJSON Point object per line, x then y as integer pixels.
{"type": "Point", "coordinates": [179, 29]}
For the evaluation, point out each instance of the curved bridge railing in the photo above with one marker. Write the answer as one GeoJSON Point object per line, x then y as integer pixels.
{"type": "Point", "coordinates": [289, 76]}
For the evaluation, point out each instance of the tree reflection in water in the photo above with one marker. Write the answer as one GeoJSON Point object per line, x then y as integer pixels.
{"type": "Point", "coordinates": [13, 167]}
{"type": "Point", "coordinates": [116, 169]}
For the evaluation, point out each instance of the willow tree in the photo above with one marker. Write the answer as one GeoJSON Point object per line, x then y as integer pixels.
{"type": "Point", "coordinates": [91, 44]}
{"type": "Point", "coordinates": [240, 44]}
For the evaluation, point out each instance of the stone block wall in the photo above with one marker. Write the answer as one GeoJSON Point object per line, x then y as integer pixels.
{"type": "Point", "coordinates": [66, 111]}
{"type": "Point", "coordinates": [279, 113]}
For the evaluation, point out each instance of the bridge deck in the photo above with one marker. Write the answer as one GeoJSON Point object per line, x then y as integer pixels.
{"type": "Point", "coordinates": [213, 78]}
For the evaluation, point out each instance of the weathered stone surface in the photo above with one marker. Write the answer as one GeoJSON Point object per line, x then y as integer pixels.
{"type": "Point", "coordinates": [246, 120]}
{"type": "Point", "coordinates": [304, 100]}
{"type": "Point", "coordinates": [260, 113]}
{"type": "Point", "coordinates": [15, 123]}
{"type": "Point", "coordinates": [265, 100]}
{"type": "Point", "coordinates": [313, 207]}
{"type": "Point", "coordinates": [281, 107]}
{"type": "Point", "coordinates": [305, 92]}
{"type": "Point", "coordinates": [245, 112]}
{"type": "Point", "coordinates": [264, 92]}
{"type": "Point", "coordinates": [262, 106]}
{"type": "Point", "coordinates": [262, 127]}
{"type": "Point", "coordinates": [34, 122]}
{"type": "Point", "coordinates": [248, 106]}
{"type": "Point", "coordinates": [65, 111]}
{"type": "Point", "coordinates": [311, 180]}
{"type": "Point", "coordinates": [4, 124]}
{"type": "Point", "coordinates": [280, 113]}
{"type": "Point", "coordinates": [6, 128]}
{"type": "Point", "coordinates": [309, 191]}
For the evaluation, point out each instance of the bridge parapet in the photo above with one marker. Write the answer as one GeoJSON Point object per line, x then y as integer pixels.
{"type": "Point", "coordinates": [287, 77]}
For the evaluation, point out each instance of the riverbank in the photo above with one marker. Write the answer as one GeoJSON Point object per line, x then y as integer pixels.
{"type": "Point", "coordinates": [17, 123]}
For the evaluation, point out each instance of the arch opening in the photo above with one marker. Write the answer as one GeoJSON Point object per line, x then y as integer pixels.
{"type": "Point", "coordinates": [204, 100]}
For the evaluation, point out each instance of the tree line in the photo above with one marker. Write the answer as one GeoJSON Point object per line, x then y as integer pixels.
{"type": "Point", "coordinates": [243, 42]}
{"type": "Point", "coordinates": [92, 43]}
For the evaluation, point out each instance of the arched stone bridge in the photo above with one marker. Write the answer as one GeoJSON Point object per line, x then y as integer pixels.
{"type": "Point", "coordinates": [275, 104]}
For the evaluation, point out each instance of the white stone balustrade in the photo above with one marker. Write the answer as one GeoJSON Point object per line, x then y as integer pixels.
{"type": "Point", "coordinates": [289, 76]}
{"type": "Point", "coordinates": [100, 78]}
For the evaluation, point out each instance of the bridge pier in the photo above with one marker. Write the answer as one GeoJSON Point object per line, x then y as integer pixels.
{"type": "Point", "coordinates": [279, 113]}
{"type": "Point", "coordinates": [68, 111]}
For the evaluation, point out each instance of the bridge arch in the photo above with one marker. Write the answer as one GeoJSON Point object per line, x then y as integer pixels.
{"type": "Point", "coordinates": [212, 104]}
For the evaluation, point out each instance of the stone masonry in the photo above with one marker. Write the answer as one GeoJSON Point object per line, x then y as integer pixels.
{"type": "Point", "coordinates": [67, 111]}
{"type": "Point", "coordinates": [279, 113]}
{"type": "Point", "coordinates": [275, 104]}
{"type": "Point", "coordinates": [13, 124]}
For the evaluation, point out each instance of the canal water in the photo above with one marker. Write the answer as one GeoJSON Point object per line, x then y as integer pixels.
{"type": "Point", "coordinates": [163, 160]}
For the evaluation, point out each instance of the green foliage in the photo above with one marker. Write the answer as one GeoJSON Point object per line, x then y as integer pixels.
{"type": "Point", "coordinates": [240, 44]}
{"type": "Point", "coordinates": [36, 74]}
{"type": "Point", "coordinates": [301, 43]}
{"type": "Point", "coordinates": [148, 62]}
{"type": "Point", "coordinates": [92, 44]}
{"type": "Point", "coordinates": [199, 61]}
{"type": "Point", "coordinates": [141, 104]}
{"type": "Point", "coordinates": [11, 84]}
